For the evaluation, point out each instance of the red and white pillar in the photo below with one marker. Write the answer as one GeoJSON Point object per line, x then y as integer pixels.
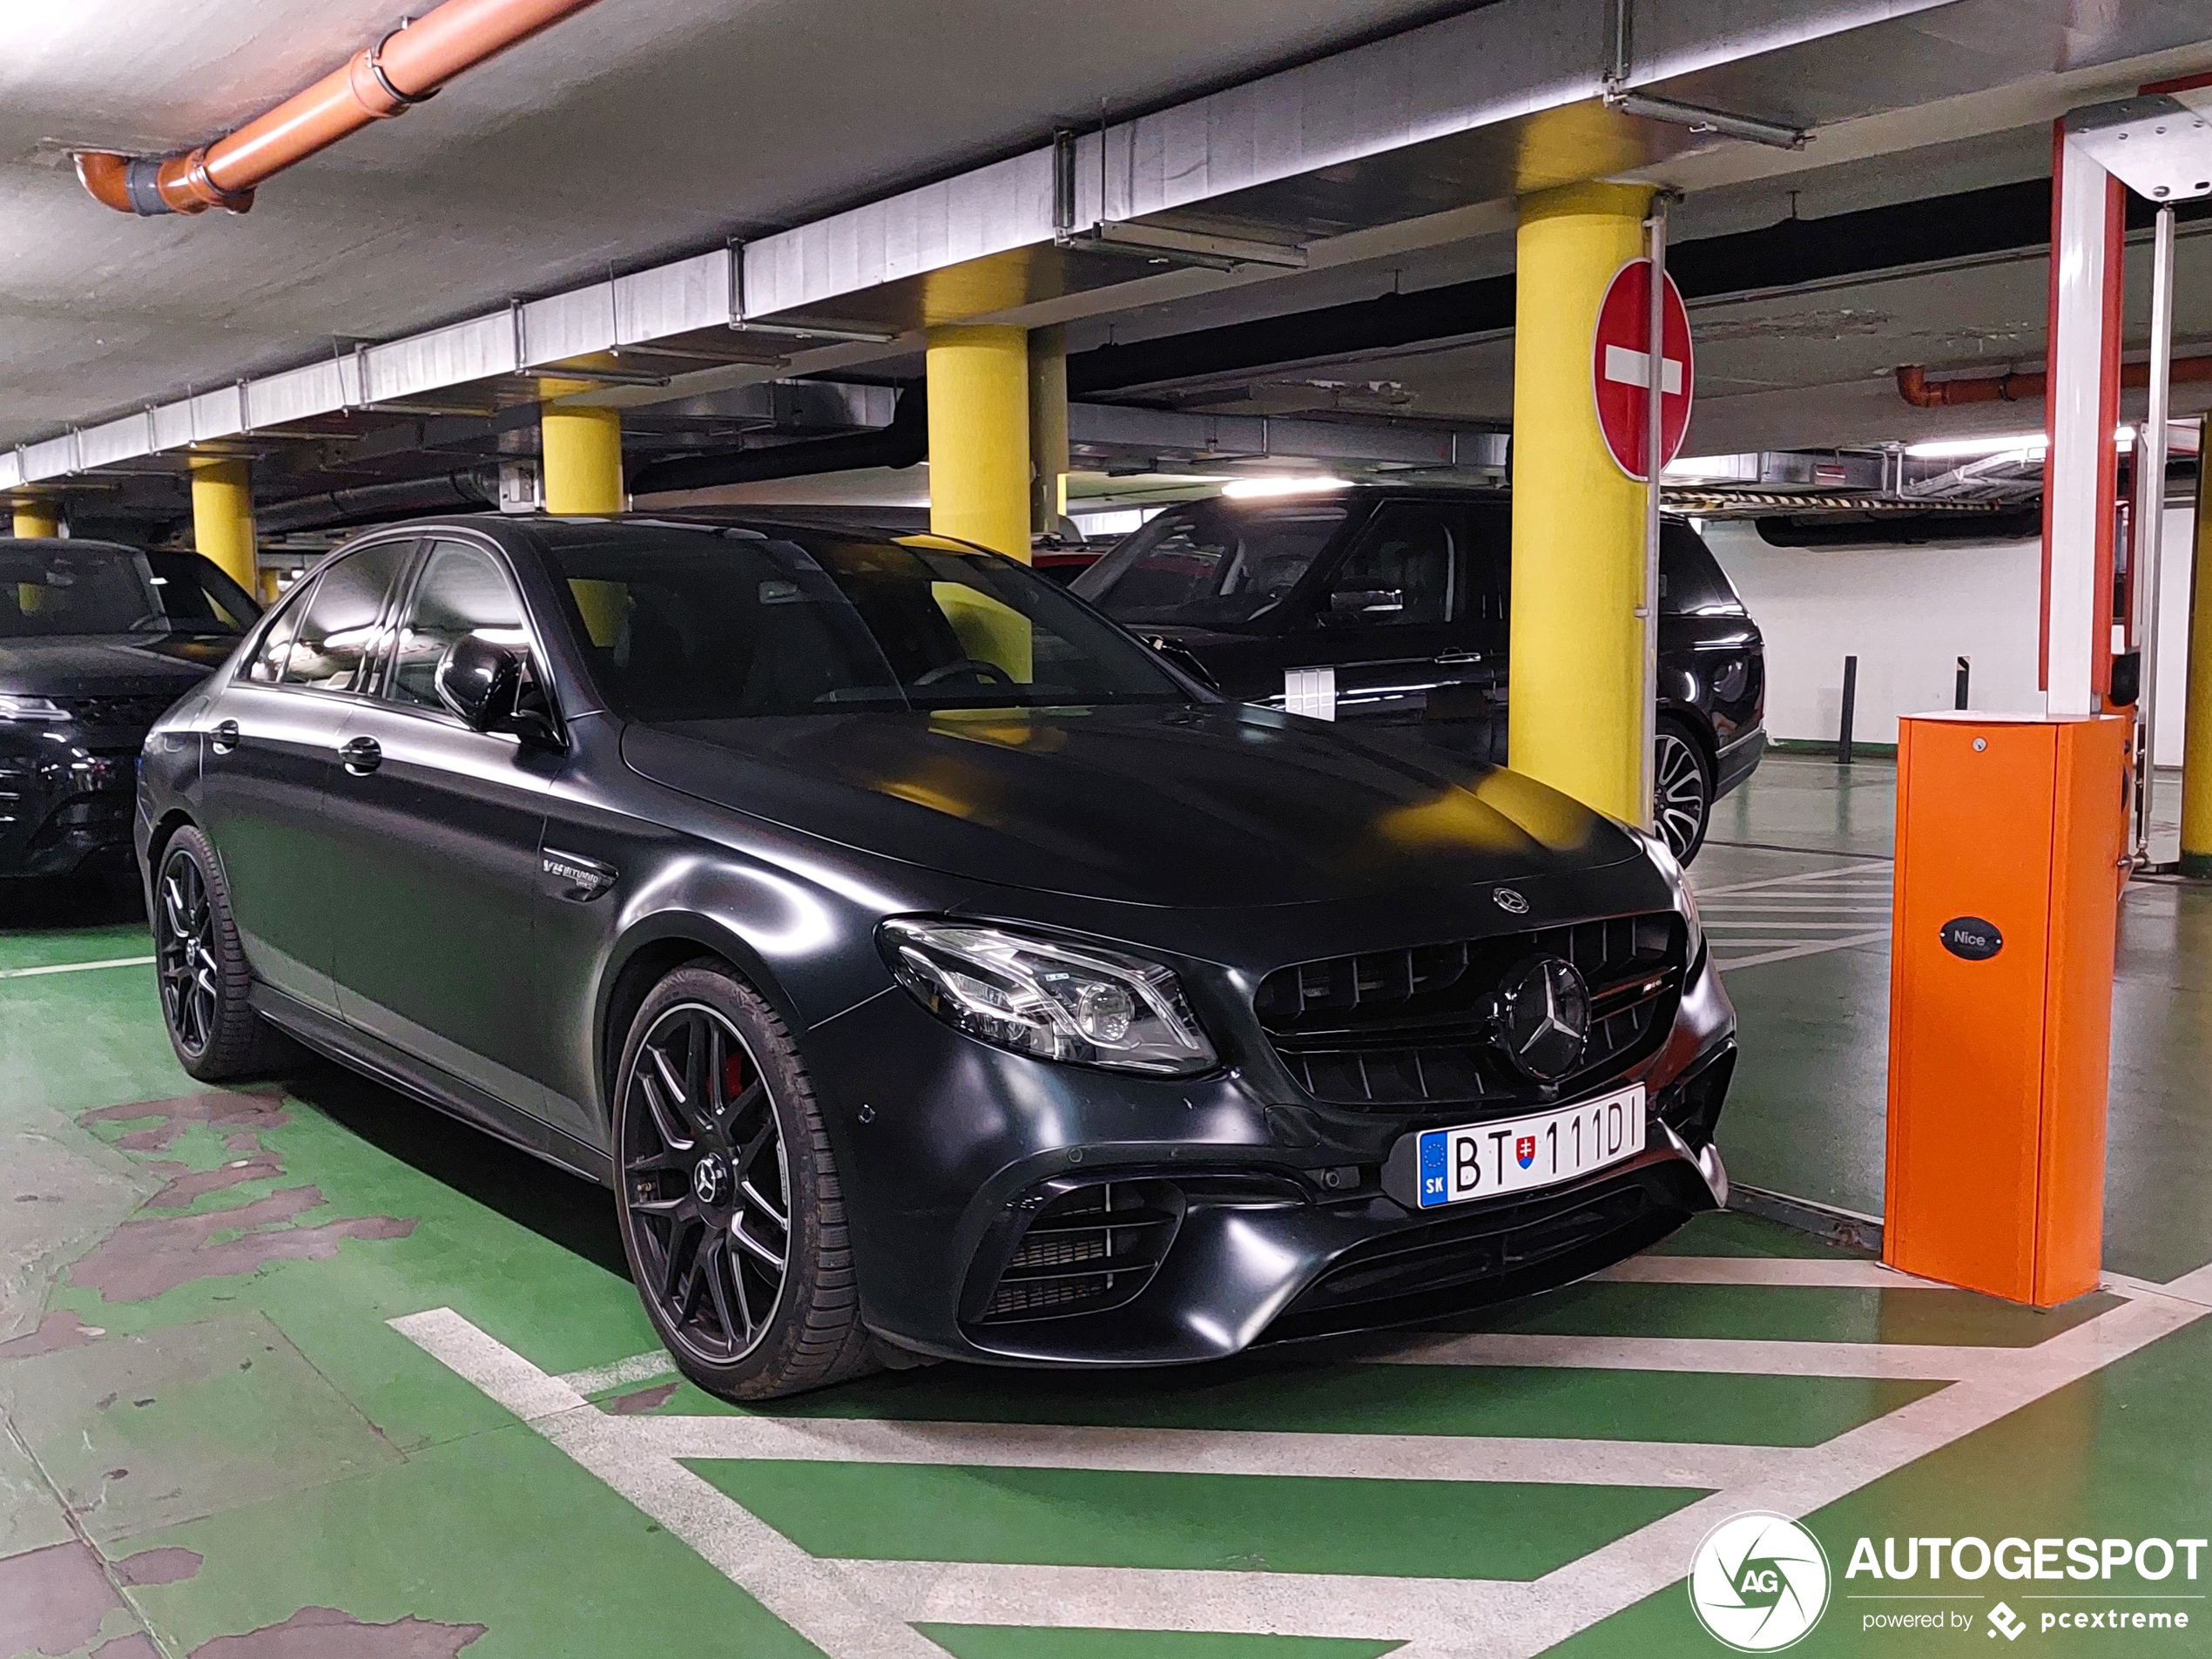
{"type": "Point", "coordinates": [2082, 410]}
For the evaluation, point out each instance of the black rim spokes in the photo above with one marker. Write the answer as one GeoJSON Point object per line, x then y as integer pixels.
{"type": "Point", "coordinates": [710, 1196]}
{"type": "Point", "coordinates": [184, 952]}
{"type": "Point", "coordinates": [1679, 795]}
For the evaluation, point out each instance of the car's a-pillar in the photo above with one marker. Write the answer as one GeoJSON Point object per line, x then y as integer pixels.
{"type": "Point", "coordinates": [579, 452]}
{"type": "Point", "coordinates": [1574, 714]}
{"type": "Point", "coordinates": [222, 517]}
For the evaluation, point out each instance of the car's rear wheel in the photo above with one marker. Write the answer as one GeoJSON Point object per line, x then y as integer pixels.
{"type": "Point", "coordinates": [1682, 789]}
{"type": "Point", "coordinates": [202, 969]}
{"type": "Point", "coordinates": [732, 1213]}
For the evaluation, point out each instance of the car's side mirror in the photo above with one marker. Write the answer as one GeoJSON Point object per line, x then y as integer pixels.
{"type": "Point", "coordinates": [1360, 604]}
{"type": "Point", "coordinates": [478, 681]}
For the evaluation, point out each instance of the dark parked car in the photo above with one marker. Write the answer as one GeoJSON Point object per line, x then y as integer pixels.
{"type": "Point", "coordinates": [1391, 605]}
{"type": "Point", "coordinates": [927, 966]}
{"type": "Point", "coordinates": [95, 641]}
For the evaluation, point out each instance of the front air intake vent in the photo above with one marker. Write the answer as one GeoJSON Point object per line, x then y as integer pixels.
{"type": "Point", "coordinates": [1409, 1028]}
{"type": "Point", "coordinates": [1087, 1247]}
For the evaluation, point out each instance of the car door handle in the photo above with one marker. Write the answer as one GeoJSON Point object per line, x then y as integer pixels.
{"type": "Point", "coordinates": [1457, 659]}
{"type": "Point", "coordinates": [360, 756]}
{"type": "Point", "coordinates": [224, 738]}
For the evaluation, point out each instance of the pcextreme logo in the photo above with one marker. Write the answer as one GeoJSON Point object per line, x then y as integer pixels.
{"type": "Point", "coordinates": [1758, 1583]}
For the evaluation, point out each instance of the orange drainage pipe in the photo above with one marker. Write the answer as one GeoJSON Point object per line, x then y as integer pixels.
{"type": "Point", "coordinates": [1916, 388]}
{"type": "Point", "coordinates": [400, 70]}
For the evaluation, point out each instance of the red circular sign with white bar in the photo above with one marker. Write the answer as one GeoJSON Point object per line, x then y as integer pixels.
{"type": "Point", "coordinates": [1620, 367]}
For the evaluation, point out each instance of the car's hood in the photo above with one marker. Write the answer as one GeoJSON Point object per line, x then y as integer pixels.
{"type": "Point", "coordinates": [116, 665]}
{"type": "Point", "coordinates": [1226, 806]}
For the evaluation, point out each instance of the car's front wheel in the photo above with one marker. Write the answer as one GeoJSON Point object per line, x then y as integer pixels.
{"type": "Point", "coordinates": [732, 1213]}
{"type": "Point", "coordinates": [1682, 789]}
{"type": "Point", "coordinates": [202, 968]}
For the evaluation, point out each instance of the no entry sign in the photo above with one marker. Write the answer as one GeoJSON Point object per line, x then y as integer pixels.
{"type": "Point", "coordinates": [1620, 367]}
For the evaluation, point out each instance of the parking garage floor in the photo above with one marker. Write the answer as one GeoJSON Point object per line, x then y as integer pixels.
{"type": "Point", "coordinates": [311, 1371]}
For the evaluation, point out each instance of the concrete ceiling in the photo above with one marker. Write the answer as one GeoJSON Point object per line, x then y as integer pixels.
{"type": "Point", "coordinates": [633, 131]}
{"type": "Point", "coordinates": [654, 127]}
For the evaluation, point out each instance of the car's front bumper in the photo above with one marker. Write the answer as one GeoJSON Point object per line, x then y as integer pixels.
{"type": "Point", "coordinates": [66, 797]}
{"type": "Point", "coordinates": [1738, 760]}
{"type": "Point", "coordinates": [1276, 1223]}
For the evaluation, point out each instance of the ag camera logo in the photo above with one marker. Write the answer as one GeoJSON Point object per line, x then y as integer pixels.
{"type": "Point", "coordinates": [1758, 1583]}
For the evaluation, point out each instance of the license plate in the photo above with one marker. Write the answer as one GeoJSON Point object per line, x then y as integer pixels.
{"type": "Point", "coordinates": [1520, 1154]}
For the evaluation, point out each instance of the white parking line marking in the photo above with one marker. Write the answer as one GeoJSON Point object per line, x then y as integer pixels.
{"type": "Point", "coordinates": [638, 1368]}
{"type": "Point", "coordinates": [1867, 871]}
{"type": "Point", "coordinates": [1191, 1451]}
{"type": "Point", "coordinates": [1731, 1356]}
{"type": "Point", "coordinates": [814, 1598]}
{"type": "Point", "coordinates": [1814, 948]}
{"type": "Point", "coordinates": [76, 968]}
{"type": "Point", "coordinates": [1820, 1272]}
{"type": "Point", "coordinates": [1783, 918]}
{"type": "Point", "coordinates": [860, 1609]}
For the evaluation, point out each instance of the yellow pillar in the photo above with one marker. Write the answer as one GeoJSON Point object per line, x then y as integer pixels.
{"type": "Point", "coordinates": [36, 519]}
{"type": "Point", "coordinates": [2196, 744]}
{"type": "Point", "coordinates": [1048, 429]}
{"type": "Point", "coordinates": [979, 436]}
{"type": "Point", "coordinates": [222, 516]}
{"type": "Point", "coordinates": [581, 453]}
{"type": "Point", "coordinates": [1574, 718]}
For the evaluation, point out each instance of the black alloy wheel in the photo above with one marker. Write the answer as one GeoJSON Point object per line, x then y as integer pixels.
{"type": "Point", "coordinates": [1682, 791]}
{"type": "Point", "coordinates": [184, 945]}
{"type": "Point", "coordinates": [201, 968]}
{"type": "Point", "coordinates": [730, 1211]}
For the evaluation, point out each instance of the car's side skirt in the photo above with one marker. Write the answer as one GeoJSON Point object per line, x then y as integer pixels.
{"type": "Point", "coordinates": [358, 1051]}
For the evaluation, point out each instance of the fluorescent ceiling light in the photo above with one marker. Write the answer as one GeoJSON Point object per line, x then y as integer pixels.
{"type": "Point", "coordinates": [1961, 448]}
{"type": "Point", "coordinates": [1245, 488]}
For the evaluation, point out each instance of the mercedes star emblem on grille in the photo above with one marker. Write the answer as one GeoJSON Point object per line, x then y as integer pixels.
{"type": "Point", "coordinates": [1543, 1018]}
{"type": "Point", "coordinates": [1509, 900]}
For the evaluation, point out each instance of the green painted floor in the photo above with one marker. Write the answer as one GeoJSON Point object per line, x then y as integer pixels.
{"type": "Point", "coordinates": [218, 1444]}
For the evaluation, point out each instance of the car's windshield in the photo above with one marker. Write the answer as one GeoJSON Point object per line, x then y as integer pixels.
{"type": "Point", "coordinates": [685, 623]}
{"type": "Point", "coordinates": [49, 588]}
{"type": "Point", "coordinates": [1211, 564]}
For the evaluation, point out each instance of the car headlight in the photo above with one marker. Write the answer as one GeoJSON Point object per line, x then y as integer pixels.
{"type": "Point", "coordinates": [1051, 998]}
{"type": "Point", "coordinates": [15, 706]}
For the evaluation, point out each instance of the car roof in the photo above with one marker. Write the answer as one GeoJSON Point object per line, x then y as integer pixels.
{"type": "Point", "coordinates": [568, 531]}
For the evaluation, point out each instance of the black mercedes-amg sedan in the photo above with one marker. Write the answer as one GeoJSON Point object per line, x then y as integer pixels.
{"type": "Point", "coordinates": [930, 968]}
{"type": "Point", "coordinates": [97, 640]}
{"type": "Point", "coordinates": [1386, 605]}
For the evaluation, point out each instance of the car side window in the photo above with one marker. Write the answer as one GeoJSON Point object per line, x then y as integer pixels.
{"type": "Point", "coordinates": [341, 632]}
{"type": "Point", "coordinates": [1485, 563]}
{"type": "Point", "coordinates": [1691, 582]}
{"type": "Point", "coordinates": [1404, 571]}
{"type": "Point", "coordinates": [461, 591]}
{"type": "Point", "coordinates": [273, 649]}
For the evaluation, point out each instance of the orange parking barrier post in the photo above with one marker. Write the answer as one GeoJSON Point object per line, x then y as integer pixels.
{"type": "Point", "coordinates": [2012, 833]}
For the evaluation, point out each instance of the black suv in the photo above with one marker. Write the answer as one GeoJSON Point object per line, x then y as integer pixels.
{"type": "Point", "coordinates": [97, 640]}
{"type": "Point", "coordinates": [1389, 605]}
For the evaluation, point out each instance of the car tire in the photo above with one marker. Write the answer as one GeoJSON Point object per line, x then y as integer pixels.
{"type": "Point", "coordinates": [1682, 788]}
{"type": "Point", "coordinates": [727, 1191]}
{"type": "Point", "coordinates": [201, 968]}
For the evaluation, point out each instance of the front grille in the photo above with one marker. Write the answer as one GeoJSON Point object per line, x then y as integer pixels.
{"type": "Point", "coordinates": [1088, 1248]}
{"type": "Point", "coordinates": [119, 710]}
{"type": "Point", "coordinates": [1405, 1029]}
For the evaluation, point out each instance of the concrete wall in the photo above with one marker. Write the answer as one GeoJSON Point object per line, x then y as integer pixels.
{"type": "Point", "coordinates": [1908, 613]}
